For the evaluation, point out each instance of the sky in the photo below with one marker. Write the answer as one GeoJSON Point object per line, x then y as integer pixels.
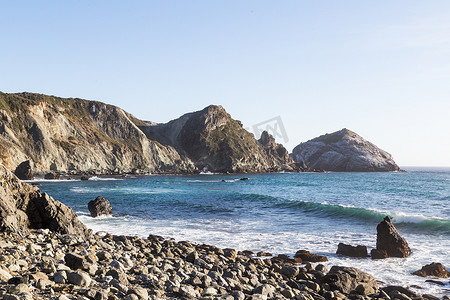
{"type": "Point", "coordinates": [379, 68]}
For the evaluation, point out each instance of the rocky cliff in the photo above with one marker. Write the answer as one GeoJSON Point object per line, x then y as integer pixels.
{"type": "Point", "coordinates": [218, 143]}
{"type": "Point", "coordinates": [343, 151]}
{"type": "Point", "coordinates": [75, 136]}
{"type": "Point", "coordinates": [24, 207]}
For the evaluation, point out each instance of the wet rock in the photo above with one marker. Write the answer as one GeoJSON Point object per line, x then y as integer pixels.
{"type": "Point", "coordinates": [390, 240]}
{"type": "Point", "coordinates": [378, 254]}
{"type": "Point", "coordinates": [100, 207]}
{"type": "Point", "coordinates": [24, 171]}
{"type": "Point", "coordinates": [352, 251]}
{"type": "Point", "coordinates": [263, 253]}
{"type": "Point", "coordinates": [435, 282]}
{"type": "Point", "coordinates": [392, 288]}
{"type": "Point", "coordinates": [433, 269]}
{"type": "Point", "coordinates": [347, 279]}
{"type": "Point", "coordinates": [306, 256]}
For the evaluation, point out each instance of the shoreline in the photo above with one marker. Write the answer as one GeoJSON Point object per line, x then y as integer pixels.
{"type": "Point", "coordinates": [48, 265]}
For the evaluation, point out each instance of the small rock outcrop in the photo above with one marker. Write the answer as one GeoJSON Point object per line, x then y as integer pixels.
{"type": "Point", "coordinates": [389, 239]}
{"type": "Point", "coordinates": [352, 251]}
{"type": "Point", "coordinates": [279, 154]}
{"type": "Point", "coordinates": [24, 207]}
{"type": "Point", "coordinates": [24, 171]}
{"type": "Point", "coordinates": [306, 256]}
{"type": "Point", "coordinates": [347, 279]}
{"type": "Point", "coordinates": [433, 269]}
{"type": "Point", "coordinates": [343, 151]}
{"type": "Point", "coordinates": [100, 207]}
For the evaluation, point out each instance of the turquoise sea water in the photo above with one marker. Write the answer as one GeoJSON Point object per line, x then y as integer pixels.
{"type": "Point", "coordinates": [282, 213]}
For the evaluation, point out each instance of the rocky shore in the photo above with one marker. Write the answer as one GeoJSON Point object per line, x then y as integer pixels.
{"type": "Point", "coordinates": [49, 265]}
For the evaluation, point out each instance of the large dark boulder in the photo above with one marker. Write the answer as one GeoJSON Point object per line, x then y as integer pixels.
{"type": "Point", "coordinates": [352, 251]}
{"type": "Point", "coordinates": [24, 207]}
{"type": "Point", "coordinates": [433, 269]}
{"type": "Point", "coordinates": [389, 239]}
{"type": "Point", "coordinates": [24, 171]}
{"type": "Point", "coordinates": [100, 207]}
{"type": "Point", "coordinates": [347, 279]}
{"type": "Point", "coordinates": [343, 151]}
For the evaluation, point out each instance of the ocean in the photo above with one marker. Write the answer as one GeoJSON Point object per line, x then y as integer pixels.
{"type": "Point", "coordinates": [282, 213]}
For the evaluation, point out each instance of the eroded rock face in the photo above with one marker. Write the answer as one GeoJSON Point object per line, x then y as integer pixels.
{"type": "Point", "coordinates": [347, 279]}
{"type": "Point", "coordinates": [343, 151]}
{"type": "Point", "coordinates": [389, 239]}
{"type": "Point", "coordinates": [75, 136]}
{"type": "Point", "coordinates": [23, 206]}
{"type": "Point", "coordinates": [100, 207]}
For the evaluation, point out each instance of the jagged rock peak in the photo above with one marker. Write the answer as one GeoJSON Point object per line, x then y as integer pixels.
{"type": "Point", "coordinates": [343, 151]}
{"type": "Point", "coordinates": [216, 142]}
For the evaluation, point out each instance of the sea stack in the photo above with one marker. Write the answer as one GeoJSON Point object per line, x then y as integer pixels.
{"type": "Point", "coordinates": [389, 240]}
{"type": "Point", "coordinates": [100, 207]}
{"type": "Point", "coordinates": [343, 151]}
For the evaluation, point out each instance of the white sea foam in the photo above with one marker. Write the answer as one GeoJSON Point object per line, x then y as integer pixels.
{"type": "Point", "coordinates": [50, 180]}
{"type": "Point", "coordinates": [96, 178]}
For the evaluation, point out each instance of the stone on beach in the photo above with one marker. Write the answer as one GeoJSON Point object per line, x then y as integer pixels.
{"type": "Point", "coordinates": [100, 207]}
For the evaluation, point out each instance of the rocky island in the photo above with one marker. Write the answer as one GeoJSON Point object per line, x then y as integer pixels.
{"type": "Point", "coordinates": [344, 151]}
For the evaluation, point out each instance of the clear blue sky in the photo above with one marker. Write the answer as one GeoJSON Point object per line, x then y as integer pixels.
{"type": "Point", "coordinates": [380, 68]}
